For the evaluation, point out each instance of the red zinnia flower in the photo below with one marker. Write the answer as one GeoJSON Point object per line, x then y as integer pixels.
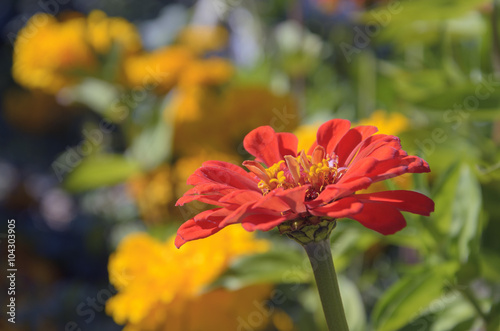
{"type": "Point", "coordinates": [321, 183]}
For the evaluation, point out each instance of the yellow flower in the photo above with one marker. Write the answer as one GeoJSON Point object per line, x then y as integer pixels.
{"type": "Point", "coordinates": [188, 104]}
{"type": "Point", "coordinates": [387, 123]}
{"type": "Point", "coordinates": [195, 94]}
{"type": "Point", "coordinates": [50, 54]}
{"type": "Point", "coordinates": [203, 38]}
{"type": "Point", "coordinates": [212, 71]}
{"type": "Point", "coordinates": [44, 54]}
{"type": "Point", "coordinates": [103, 31]}
{"type": "Point", "coordinates": [153, 193]}
{"type": "Point", "coordinates": [220, 118]}
{"type": "Point", "coordinates": [160, 69]}
{"type": "Point", "coordinates": [162, 288]}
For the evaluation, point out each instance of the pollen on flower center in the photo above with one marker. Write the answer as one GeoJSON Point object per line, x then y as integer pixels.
{"type": "Point", "coordinates": [318, 170]}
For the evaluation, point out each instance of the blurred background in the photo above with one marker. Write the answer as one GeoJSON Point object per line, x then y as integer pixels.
{"type": "Point", "coordinates": [108, 106]}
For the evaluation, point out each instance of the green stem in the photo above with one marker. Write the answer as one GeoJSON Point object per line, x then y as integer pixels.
{"type": "Point", "coordinates": [320, 256]}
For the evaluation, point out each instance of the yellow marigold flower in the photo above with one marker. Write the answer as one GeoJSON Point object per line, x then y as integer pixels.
{"type": "Point", "coordinates": [50, 54]}
{"type": "Point", "coordinates": [161, 288]}
{"type": "Point", "coordinates": [188, 104]}
{"type": "Point", "coordinates": [161, 68]}
{"type": "Point", "coordinates": [194, 96]}
{"type": "Point", "coordinates": [258, 105]}
{"type": "Point", "coordinates": [44, 54]}
{"type": "Point", "coordinates": [387, 123]}
{"type": "Point", "coordinates": [153, 193]}
{"type": "Point", "coordinates": [202, 38]}
{"type": "Point", "coordinates": [216, 116]}
{"type": "Point", "coordinates": [212, 71]}
{"type": "Point", "coordinates": [103, 31]}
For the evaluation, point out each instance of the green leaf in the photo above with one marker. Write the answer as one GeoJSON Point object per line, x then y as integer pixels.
{"type": "Point", "coordinates": [424, 21]}
{"type": "Point", "coordinates": [452, 312]}
{"type": "Point", "coordinates": [276, 266]}
{"type": "Point", "coordinates": [410, 296]}
{"type": "Point", "coordinates": [96, 94]}
{"type": "Point", "coordinates": [100, 170]}
{"type": "Point", "coordinates": [489, 262]}
{"type": "Point", "coordinates": [353, 304]}
{"type": "Point", "coordinates": [494, 317]}
{"type": "Point", "coordinates": [152, 146]}
{"type": "Point", "coordinates": [458, 207]}
{"type": "Point", "coordinates": [465, 101]}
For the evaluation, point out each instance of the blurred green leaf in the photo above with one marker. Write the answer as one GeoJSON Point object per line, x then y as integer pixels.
{"type": "Point", "coordinates": [453, 313]}
{"type": "Point", "coordinates": [410, 296]}
{"type": "Point", "coordinates": [494, 317]}
{"type": "Point", "coordinates": [489, 262]}
{"type": "Point", "coordinates": [96, 94]}
{"type": "Point", "coordinates": [100, 170]}
{"type": "Point", "coordinates": [276, 266]}
{"type": "Point", "coordinates": [464, 102]}
{"type": "Point", "coordinates": [458, 207]}
{"type": "Point", "coordinates": [350, 241]}
{"type": "Point", "coordinates": [353, 304]}
{"type": "Point", "coordinates": [152, 146]}
{"type": "Point", "coordinates": [423, 21]}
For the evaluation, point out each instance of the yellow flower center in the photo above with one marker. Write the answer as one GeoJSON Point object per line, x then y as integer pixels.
{"type": "Point", "coordinates": [317, 170]}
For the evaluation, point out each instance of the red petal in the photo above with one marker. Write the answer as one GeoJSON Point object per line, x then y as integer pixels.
{"type": "Point", "coordinates": [352, 139]}
{"type": "Point", "coordinates": [334, 191]}
{"type": "Point", "coordinates": [217, 189]}
{"type": "Point", "coordinates": [380, 217]}
{"type": "Point", "coordinates": [263, 222]}
{"type": "Point", "coordinates": [367, 146]}
{"type": "Point", "coordinates": [331, 132]}
{"type": "Point", "coordinates": [212, 199]}
{"type": "Point", "coordinates": [340, 208]}
{"type": "Point", "coordinates": [294, 198]}
{"type": "Point", "coordinates": [395, 167]}
{"type": "Point", "coordinates": [287, 143]}
{"type": "Point", "coordinates": [362, 168]}
{"type": "Point", "coordinates": [263, 144]}
{"type": "Point", "coordinates": [227, 165]}
{"type": "Point", "coordinates": [237, 215]}
{"type": "Point", "coordinates": [409, 201]}
{"type": "Point", "coordinates": [201, 226]}
{"type": "Point", "coordinates": [241, 197]}
{"type": "Point", "coordinates": [217, 175]}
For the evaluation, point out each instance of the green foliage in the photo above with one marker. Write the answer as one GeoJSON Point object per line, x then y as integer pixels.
{"type": "Point", "coordinates": [100, 170]}
{"type": "Point", "coordinates": [280, 265]}
{"type": "Point", "coordinates": [458, 207]}
{"type": "Point", "coordinates": [410, 296]}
